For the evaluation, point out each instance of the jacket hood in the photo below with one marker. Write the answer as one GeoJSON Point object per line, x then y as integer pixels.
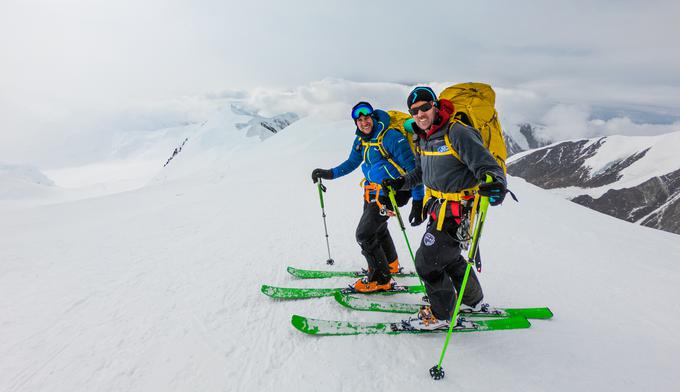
{"type": "Point", "coordinates": [445, 111]}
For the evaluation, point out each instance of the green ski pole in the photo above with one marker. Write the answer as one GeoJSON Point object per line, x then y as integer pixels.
{"type": "Point", "coordinates": [393, 200]}
{"type": "Point", "coordinates": [437, 372]}
{"type": "Point", "coordinates": [322, 189]}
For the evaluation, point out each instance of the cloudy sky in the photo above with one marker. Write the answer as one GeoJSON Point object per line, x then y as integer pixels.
{"type": "Point", "coordinates": [73, 67]}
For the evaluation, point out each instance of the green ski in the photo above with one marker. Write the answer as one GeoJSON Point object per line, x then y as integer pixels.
{"type": "Point", "coordinates": [301, 293]}
{"type": "Point", "coordinates": [315, 274]}
{"type": "Point", "coordinates": [375, 305]}
{"type": "Point", "coordinates": [337, 328]}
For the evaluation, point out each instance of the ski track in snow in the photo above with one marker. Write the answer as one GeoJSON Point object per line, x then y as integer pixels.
{"type": "Point", "coordinates": [158, 288]}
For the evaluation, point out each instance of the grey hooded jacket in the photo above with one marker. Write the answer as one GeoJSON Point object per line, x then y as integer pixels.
{"type": "Point", "coordinates": [446, 173]}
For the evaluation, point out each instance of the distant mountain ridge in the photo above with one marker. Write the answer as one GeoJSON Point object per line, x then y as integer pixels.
{"type": "Point", "coordinates": [525, 138]}
{"type": "Point", "coordinates": [263, 127]}
{"type": "Point", "coordinates": [636, 179]}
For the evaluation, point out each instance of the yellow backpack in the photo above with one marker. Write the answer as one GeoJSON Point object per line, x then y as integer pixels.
{"type": "Point", "coordinates": [397, 120]}
{"type": "Point", "coordinates": [474, 105]}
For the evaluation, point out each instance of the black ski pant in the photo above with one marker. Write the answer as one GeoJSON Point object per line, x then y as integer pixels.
{"type": "Point", "coordinates": [442, 268]}
{"type": "Point", "coordinates": [376, 243]}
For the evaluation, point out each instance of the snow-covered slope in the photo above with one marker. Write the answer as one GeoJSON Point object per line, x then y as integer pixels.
{"type": "Point", "coordinates": [157, 289]}
{"type": "Point", "coordinates": [23, 182]}
{"type": "Point", "coordinates": [633, 178]}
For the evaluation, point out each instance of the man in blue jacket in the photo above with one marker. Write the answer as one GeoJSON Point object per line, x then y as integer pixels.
{"type": "Point", "coordinates": [383, 153]}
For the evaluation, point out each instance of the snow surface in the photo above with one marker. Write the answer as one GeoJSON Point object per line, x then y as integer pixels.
{"type": "Point", "coordinates": [157, 289]}
{"type": "Point", "coordinates": [23, 183]}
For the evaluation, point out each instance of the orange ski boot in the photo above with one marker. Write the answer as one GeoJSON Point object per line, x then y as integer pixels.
{"type": "Point", "coordinates": [364, 286]}
{"type": "Point", "coordinates": [394, 267]}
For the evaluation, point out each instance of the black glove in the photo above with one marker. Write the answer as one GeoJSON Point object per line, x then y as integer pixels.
{"type": "Point", "coordinates": [416, 215]}
{"type": "Point", "coordinates": [494, 190]}
{"type": "Point", "coordinates": [394, 183]}
{"type": "Point", "coordinates": [321, 173]}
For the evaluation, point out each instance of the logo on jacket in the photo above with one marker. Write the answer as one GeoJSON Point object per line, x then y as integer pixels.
{"type": "Point", "coordinates": [443, 148]}
{"type": "Point", "coordinates": [428, 239]}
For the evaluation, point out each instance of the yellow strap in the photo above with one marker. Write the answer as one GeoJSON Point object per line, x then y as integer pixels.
{"type": "Point", "coordinates": [384, 153]}
{"type": "Point", "coordinates": [427, 196]}
{"type": "Point", "coordinates": [399, 169]}
{"type": "Point", "coordinates": [448, 144]}
{"type": "Point", "coordinates": [440, 216]}
{"type": "Point", "coordinates": [446, 197]}
{"type": "Point", "coordinates": [447, 141]}
{"type": "Point", "coordinates": [365, 152]}
{"type": "Point", "coordinates": [453, 196]}
{"type": "Point", "coordinates": [379, 143]}
{"type": "Point", "coordinates": [472, 215]}
{"type": "Point", "coordinates": [434, 153]}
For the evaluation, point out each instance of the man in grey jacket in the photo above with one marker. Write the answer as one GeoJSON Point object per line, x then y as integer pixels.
{"type": "Point", "coordinates": [453, 162]}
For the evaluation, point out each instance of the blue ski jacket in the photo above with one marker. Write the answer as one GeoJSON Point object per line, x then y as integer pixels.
{"type": "Point", "coordinates": [374, 166]}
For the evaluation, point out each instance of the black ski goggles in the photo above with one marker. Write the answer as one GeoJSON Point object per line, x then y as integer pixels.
{"type": "Point", "coordinates": [422, 108]}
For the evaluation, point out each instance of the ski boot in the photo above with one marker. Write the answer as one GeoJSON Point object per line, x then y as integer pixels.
{"type": "Point", "coordinates": [480, 307]}
{"type": "Point", "coordinates": [394, 267]}
{"type": "Point", "coordinates": [425, 320]}
{"type": "Point", "coordinates": [363, 285]}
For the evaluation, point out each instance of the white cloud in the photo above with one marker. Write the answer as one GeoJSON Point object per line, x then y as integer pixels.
{"type": "Point", "coordinates": [563, 122]}
{"type": "Point", "coordinates": [625, 126]}
{"type": "Point", "coordinates": [331, 98]}
{"type": "Point", "coordinates": [76, 70]}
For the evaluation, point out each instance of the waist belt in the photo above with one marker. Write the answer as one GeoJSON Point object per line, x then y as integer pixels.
{"type": "Point", "coordinates": [445, 198]}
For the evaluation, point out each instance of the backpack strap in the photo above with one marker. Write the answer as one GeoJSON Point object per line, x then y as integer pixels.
{"type": "Point", "coordinates": [383, 152]}
{"type": "Point", "coordinates": [447, 141]}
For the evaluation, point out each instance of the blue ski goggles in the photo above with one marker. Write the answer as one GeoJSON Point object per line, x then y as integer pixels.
{"type": "Point", "coordinates": [361, 109]}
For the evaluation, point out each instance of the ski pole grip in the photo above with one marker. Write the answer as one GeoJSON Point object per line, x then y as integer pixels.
{"type": "Point", "coordinates": [479, 223]}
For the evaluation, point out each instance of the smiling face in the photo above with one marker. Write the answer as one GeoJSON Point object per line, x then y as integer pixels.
{"type": "Point", "coordinates": [365, 124]}
{"type": "Point", "coordinates": [425, 113]}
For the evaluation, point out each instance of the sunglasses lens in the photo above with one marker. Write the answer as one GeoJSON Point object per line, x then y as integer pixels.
{"type": "Point", "coordinates": [423, 108]}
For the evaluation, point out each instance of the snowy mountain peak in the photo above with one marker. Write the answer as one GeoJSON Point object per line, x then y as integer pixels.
{"type": "Point", "coordinates": [631, 177]}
